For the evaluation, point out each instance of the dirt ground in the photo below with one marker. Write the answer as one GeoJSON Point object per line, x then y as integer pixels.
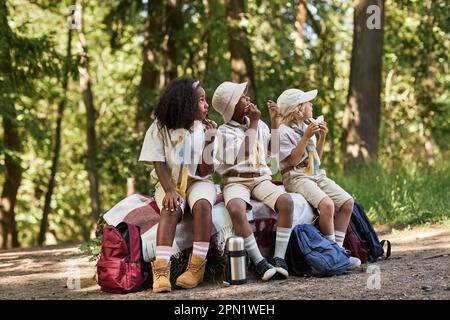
{"type": "Point", "coordinates": [419, 268]}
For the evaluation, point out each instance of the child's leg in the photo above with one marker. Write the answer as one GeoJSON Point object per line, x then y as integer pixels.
{"type": "Point", "coordinates": [285, 208]}
{"type": "Point", "coordinates": [237, 198]}
{"type": "Point", "coordinates": [341, 200]}
{"type": "Point", "coordinates": [164, 240]}
{"type": "Point", "coordinates": [312, 192]}
{"type": "Point", "coordinates": [342, 220]}
{"type": "Point", "coordinates": [166, 228]}
{"type": "Point", "coordinates": [195, 271]}
{"type": "Point", "coordinates": [276, 197]}
{"type": "Point", "coordinates": [326, 223]}
{"type": "Point", "coordinates": [202, 227]}
{"type": "Point", "coordinates": [237, 209]}
{"type": "Point", "coordinates": [201, 196]}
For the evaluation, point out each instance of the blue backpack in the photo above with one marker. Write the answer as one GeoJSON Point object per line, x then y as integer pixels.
{"type": "Point", "coordinates": [310, 254]}
{"type": "Point", "coordinates": [361, 225]}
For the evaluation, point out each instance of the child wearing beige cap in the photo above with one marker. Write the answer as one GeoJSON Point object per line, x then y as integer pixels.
{"type": "Point", "coordinates": [300, 154]}
{"type": "Point", "coordinates": [240, 149]}
{"type": "Point", "coordinates": [175, 144]}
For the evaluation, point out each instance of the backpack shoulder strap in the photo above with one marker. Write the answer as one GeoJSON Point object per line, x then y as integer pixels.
{"type": "Point", "coordinates": [388, 250]}
{"type": "Point", "coordinates": [135, 249]}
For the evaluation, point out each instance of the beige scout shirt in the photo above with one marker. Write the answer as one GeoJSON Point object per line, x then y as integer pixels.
{"type": "Point", "coordinates": [175, 147]}
{"type": "Point", "coordinates": [288, 141]}
{"type": "Point", "coordinates": [228, 143]}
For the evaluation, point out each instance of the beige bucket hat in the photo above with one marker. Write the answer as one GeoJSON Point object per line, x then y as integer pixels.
{"type": "Point", "coordinates": [291, 98]}
{"type": "Point", "coordinates": [226, 97]}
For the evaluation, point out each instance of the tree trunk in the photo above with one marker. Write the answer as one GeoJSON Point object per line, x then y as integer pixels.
{"type": "Point", "coordinates": [209, 25]}
{"type": "Point", "coordinates": [362, 112]}
{"type": "Point", "coordinates": [174, 23]}
{"type": "Point", "coordinates": [241, 58]}
{"type": "Point", "coordinates": [11, 138]}
{"type": "Point", "coordinates": [57, 146]}
{"type": "Point", "coordinates": [299, 25]}
{"type": "Point", "coordinates": [152, 81]}
{"type": "Point", "coordinates": [427, 95]}
{"type": "Point", "coordinates": [13, 176]}
{"type": "Point", "coordinates": [152, 62]}
{"type": "Point", "coordinates": [160, 58]}
{"type": "Point", "coordinates": [88, 101]}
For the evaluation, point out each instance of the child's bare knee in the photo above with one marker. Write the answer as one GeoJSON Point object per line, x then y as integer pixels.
{"type": "Point", "coordinates": [202, 207]}
{"type": "Point", "coordinates": [326, 205]}
{"type": "Point", "coordinates": [236, 209]}
{"type": "Point", "coordinates": [284, 203]}
{"type": "Point", "coordinates": [348, 206]}
{"type": "Point", "coordinates": [171, 216]}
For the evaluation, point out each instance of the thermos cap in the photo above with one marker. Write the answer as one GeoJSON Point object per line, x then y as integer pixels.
{"type": "Point", "coordinates": [234, 243]}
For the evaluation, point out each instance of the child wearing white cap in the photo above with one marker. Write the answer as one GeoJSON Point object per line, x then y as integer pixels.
{"type": "Point", "coordinates": [300, 154]}
{"type": "Point", "coordinates": [175, 144]}
{"type": "Point", "coordinates": [241, 146]}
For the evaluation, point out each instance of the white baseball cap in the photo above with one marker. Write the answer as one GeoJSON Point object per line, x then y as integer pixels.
{"type": "Point", "coordinates": [226, 97]}
{"type": "Point", "coordinates": [291, 98]}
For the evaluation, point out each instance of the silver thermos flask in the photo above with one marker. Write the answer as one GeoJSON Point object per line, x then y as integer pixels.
{"type": "Point", "coordinates": [236, 260]}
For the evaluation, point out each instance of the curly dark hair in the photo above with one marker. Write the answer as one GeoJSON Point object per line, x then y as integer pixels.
{"type": "Point", "coordinates": [177, 107]}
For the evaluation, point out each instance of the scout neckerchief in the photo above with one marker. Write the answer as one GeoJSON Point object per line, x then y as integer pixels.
{"type": "Point", "coordinates": [313, 156]}
{"type": "Point", "coordinates": [257, 146]}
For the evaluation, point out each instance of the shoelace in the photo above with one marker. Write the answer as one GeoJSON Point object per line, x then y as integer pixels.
{"type": "Point", "coordinates": [161, 272]}
{"type": "Point", "coordinates": [195, 268]}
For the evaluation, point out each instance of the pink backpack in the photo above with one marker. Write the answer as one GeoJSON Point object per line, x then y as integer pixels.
{"type": "Point", "coordinates": [121, 267]}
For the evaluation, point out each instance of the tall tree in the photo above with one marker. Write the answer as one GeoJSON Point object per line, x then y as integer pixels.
{"type": "Point", "coordinates": [88, 101]}
{"type": "Point", "coordinates": [57, 145]}
{"type": "Point", "coordinates": [174, 23]}
{"type": "Point", "coordinates": [11, 137]}
{"type": "Point", "coordinates": [241, 57]}
{"type": "Point", "coordinates": [160, 58]}
{"type": "Point", "coordinates": [299, 27]}
{"type": "Point", "coordinates": [362, 112]}
{"type": "Point", "coordinates": [152, 62]}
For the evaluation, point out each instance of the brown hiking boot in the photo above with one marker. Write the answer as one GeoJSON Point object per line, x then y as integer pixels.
{"type": "Point", "coordinates": [193, 274]}
{"type": "Point", "coordinates": [161, 275]}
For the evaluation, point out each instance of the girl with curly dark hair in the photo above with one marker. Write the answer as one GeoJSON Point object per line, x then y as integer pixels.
{"type": "Point", "coordinates": [177, 144]}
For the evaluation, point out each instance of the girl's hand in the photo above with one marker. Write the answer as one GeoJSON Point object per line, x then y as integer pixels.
{"type": "Point", "coordinates": [209, 124]}
{"type": "Point", "coordinates": [273, 109]}
{"type": "Point", "coordinates": [172, 201]}
{"type": "Point", "coordinates": [323, 129]}
{"type": "Point", "coordinates": [311, 129]}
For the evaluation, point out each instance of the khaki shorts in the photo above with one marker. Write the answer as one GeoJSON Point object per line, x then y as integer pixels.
{"type": "Point", "coordinates": [196, 190]}
{"type": "Point", "coordinates": [260, 188]}
{"type": "Point", "coordinates": [315, 188]}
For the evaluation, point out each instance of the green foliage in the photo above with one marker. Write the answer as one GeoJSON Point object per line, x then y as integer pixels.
{"type": "Point", "coordinates": [400, 195]}
{"type": "Point", "coordinates": [92, 248]}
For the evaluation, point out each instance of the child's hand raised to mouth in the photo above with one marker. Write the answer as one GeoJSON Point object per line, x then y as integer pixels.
{"type": "Point", "coordinates": [273, 109]}
{"type": "Point", "coordinates": [253, 112]}
{"type": "Point", "coordinates": [209, 124]}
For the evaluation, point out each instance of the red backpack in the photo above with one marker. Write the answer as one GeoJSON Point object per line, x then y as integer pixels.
{"type": "Point", "coordinates": [121, 267]}
{"type": "Point", "coordinates": [353, 243]}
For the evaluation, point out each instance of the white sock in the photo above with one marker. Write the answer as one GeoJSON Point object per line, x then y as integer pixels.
{"type": "Point", "coordinates": [281, 242]}
{"type": "Point", "coordinates": [200, 249]}
{"type": "Point", "coordinates": [163, 252]}
{"type": "Point", "coordinates": [252, 249]}
{"type": "Point", "coordinates": [340, 236]}
{"type": "Point", "coordinates": [330, 237]}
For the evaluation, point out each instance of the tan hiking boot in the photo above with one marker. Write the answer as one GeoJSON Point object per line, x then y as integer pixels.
{"type": "Point", "coordinates": [193, 274]}
{"type": "Point", "coordinates": [161, 275]}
